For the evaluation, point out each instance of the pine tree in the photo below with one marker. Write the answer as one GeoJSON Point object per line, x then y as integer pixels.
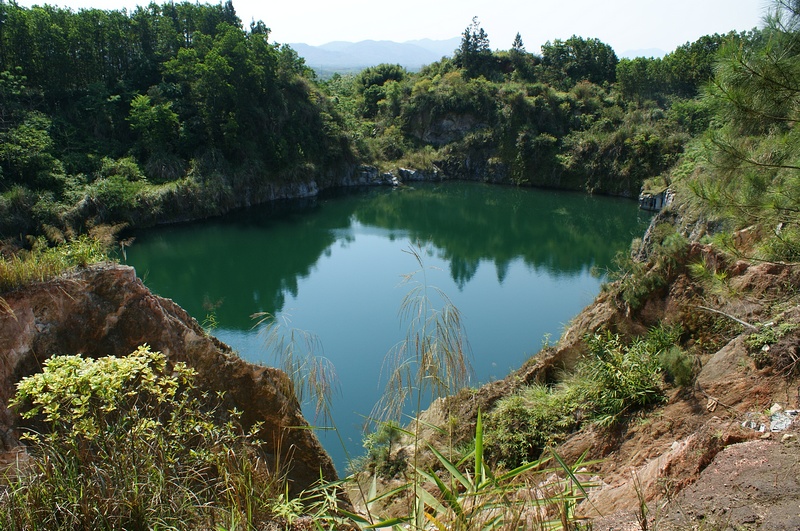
{"type": "Point", "coordinates": [518, 45]}
{"type": "Point", "coordinates": [755, 149]}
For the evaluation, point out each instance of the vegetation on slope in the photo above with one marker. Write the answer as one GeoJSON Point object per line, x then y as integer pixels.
{"type": "Point", "coordinates": [131, 443]}
{"type": "Point", "coordinates": [172, 110]}
{"type": "Point", "coordinates": [737, 198]}
{"type": "Point", "coordinates": [737, 192]}
{"type": "Point", "coordinates": [175, 112]}
{"type": "Point", "coordinates": [157, 121]}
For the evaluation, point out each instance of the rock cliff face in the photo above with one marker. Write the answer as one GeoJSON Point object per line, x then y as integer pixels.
{"type": "Point", "coordinates": [105, 310]}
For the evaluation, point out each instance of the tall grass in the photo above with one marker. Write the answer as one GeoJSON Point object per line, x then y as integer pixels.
{"type": "Point", "coordinates": [42, 262]}
{"type": "Point", "coordinates": [433, 359]}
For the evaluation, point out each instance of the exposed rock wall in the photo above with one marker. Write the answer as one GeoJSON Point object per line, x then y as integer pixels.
{"type": "Point", "coordinates": [106, 310]}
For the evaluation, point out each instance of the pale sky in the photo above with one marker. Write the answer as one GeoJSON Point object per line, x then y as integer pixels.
{"type": "Point", "coordinates": [623, 24]}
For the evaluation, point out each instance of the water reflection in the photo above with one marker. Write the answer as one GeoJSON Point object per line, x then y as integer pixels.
{"type": "Point", "coordinates": [515, 262]}
{"type": "Point", "coordinates": [253, 259]}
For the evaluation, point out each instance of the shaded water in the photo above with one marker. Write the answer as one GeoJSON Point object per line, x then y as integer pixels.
{"type": "Point", "coordinates": [517, 263]}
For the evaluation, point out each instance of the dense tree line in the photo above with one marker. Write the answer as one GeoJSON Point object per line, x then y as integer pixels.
{"type": "Point", "coordinates": [102, 104]}
{"type": "Point", "coordinates": [574, 116]}
{"type": "Point", "coordinates": [109, 116]}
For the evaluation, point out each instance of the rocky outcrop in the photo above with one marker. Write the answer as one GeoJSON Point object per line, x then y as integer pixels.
{"type": "Point", "coordinates": [106, 310]}
{"type": "Point", "coordinates": [369, 176]}
{"type": "Point", "coordinates": [447, 129]}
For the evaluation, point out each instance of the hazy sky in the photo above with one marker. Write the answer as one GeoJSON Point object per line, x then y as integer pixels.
{"type": "Point", "coordinates": [624, 24]}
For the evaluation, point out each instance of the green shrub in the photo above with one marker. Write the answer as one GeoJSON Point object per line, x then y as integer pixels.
{"type": "Point", "coordinates": [783, 245]}
{"type": "Point", "coordinates": [678, 365]}
{"type": "Point", "coordinates": [637, 280]}
{"type": "Point", "coordinates": [381, 457]}
{"type": "Point", "coordinates": [130, 443]}
{"type": "Point", "coordinates": [622, 377]}
{"type": "Point", "coordinates": [613, 380]}
{"type": "Point", "coordinates": [523, 424]}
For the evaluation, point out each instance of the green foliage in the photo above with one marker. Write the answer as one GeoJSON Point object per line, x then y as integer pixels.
{"type": "Point", "coordinates": [783, 244]}
{"type": "Point", "coordinates": [622, 377]}
{"type": "Point", "coordinates": [522, 425]}
{"type": "Point", "coordinates": [678, 365]}
{"type": "Point", "coordinates": [129, 443]}
{"type": "Point", "coordinates": [753, 174]}
{"type": "Point", "coordinates": [472, 496]}
{"type": "Point", "coordinates": [636, 280]}
{"type": "Point", "coordinates": [117, 192]}
{"type": "Point", "coordinates": [681, 73]}
{"type": "Point", "coordinates": [166, 84]}
{"type": "Point", "coordinates": [43, 262]}
{"type": "Point", "coordinates": [769, 334]}
{"type": "Point", "coordinates": [577, 59]}
{"type": "Point", "coordinates": [608, 385]}
{"type": "Point", "coordinates": [156, 124]}
{"type": "Point", "coordinates": [381, 459]}
{"type": "Point", "coordinates": [474, 54]}
{"type": "Point", "coordinates": [518, 45]}
{"type": "Point", "coordinates": [26, 153]}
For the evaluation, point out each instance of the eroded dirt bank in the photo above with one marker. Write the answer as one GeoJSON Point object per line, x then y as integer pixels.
{"type": "Point", "coordinates": [708, 457]}
{"type": "Point", "coordinates": [105, 310]}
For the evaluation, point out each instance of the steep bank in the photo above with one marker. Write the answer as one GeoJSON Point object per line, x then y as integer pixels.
{"type": "Point", "coordinates": [681, 458]}
{"type": "Point", "coordinates": [105, 310]}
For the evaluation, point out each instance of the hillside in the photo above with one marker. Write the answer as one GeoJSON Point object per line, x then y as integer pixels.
{"type": "Point", "coordinates": [651, 404]}
{"type": "Point", "coordinates": [708, 452]}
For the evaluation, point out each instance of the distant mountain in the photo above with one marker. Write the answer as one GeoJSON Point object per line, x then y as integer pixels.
{"type": "Point", "coordinates": [647, 52]}
{"type": "Point", "coordinates": [349, 56]}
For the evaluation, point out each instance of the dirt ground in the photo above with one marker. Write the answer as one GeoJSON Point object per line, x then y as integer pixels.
{"type": "Point", "coordinates": [716, 456]}
{"type": "Point", "coordinates": [750, 485]}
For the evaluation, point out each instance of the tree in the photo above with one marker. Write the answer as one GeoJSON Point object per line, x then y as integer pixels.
{"type": "Point", "coordinates": [640, 78]}
{"type": "Point", "coordinates": [755, 145]}
{"type": "Point", "coordinates": [474, 54]}
{"type": "Point", "coordinates": [564, 63]}
{"type": "Point", "coordinates": [517, 45]}
{"type": "Point", "coordinates": [25, 153]}
{"type": "Point", "coordinates": [156, 124]}
{"type": "Point", "coordinates": [371, 83]}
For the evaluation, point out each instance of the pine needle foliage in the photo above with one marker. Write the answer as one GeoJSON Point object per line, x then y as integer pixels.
{"type": "Point", "coordinates": [753, 144]}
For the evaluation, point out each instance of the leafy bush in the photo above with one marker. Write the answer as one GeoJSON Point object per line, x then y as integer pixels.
{"type": "Point", "coordinates": [678, 365]}
{"type": "Point", "coordinates": [381, 458]}
{"type": "Point", "coordinates": [614, 379]}
{"type": "Point", "coordinates": [622, 377]}
{"type": "Point", "coordinates": [637, 280]}
{"type": "Point", "coordinates": [130, 443]}
{"type": "Point", "coordinates": [522, 425]}
{"type": "Point", "coordinates": [115, 197]}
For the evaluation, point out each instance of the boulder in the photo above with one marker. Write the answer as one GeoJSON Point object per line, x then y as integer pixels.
{"type": "Point", "coordinates": [106, 310]}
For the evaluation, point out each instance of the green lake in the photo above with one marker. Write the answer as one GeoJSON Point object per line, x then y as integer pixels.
{"type": "Point", "coordinates": [517, 263]}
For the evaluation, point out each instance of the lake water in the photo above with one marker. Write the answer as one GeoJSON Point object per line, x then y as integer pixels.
{"type": "Point", "coordinates": [517, 263]}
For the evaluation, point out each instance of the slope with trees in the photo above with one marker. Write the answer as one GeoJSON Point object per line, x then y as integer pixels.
{"type": "Point", "coordinates": [110, 116]}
